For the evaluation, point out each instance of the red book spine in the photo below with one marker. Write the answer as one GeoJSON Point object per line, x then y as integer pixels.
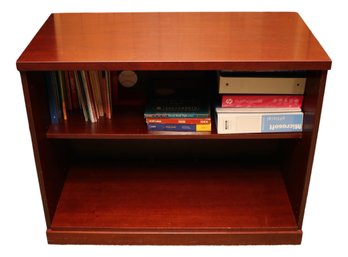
{"type": "Point", "coordinates": [102, 79]}
{"type": "Point", "coordinates": [262, 101]}
{"type": "Point", "coordinates": [179, 121]}
{"type": "Point", "coordinates": [74, 97]}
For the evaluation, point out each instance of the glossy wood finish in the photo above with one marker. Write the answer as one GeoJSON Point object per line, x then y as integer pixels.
{"type": "Point", "coordinates": [161, 237]}
{"type": "Point", "coordinates": [174, 41]}
{"type": "Point", "coordinates": [299, 160]}
{"type": "Point", "coordinates": [115, 183]}
{"type": "Point", "coordinates": [50, 156]}
{"type": "Point", "coordinates": [173, 197]}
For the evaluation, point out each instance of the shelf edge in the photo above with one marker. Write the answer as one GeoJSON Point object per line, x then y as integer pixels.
{"type": "Point", "coordinates": [175, 136]}
{"type": "Point", "coordinates": [188, 237]}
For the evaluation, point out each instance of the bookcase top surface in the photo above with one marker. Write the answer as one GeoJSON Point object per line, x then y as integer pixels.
{"type": "Point", "coordinates": [174, 41]}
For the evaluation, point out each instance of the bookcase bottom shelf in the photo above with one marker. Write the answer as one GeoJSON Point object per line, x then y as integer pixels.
{"type": "Point", "coordinates": [168, 203]}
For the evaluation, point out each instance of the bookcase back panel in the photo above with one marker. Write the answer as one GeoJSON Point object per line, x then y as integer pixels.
{"type": "Point", "coordinates": [181, 150]}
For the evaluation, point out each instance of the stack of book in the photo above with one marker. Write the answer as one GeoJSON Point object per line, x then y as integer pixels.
{"type": "Point", "coordinates": [259, 102]}
{"type": "Point", "coordinates": [178, 114]}
{"type": "Point", "coordinates": [89, 91]}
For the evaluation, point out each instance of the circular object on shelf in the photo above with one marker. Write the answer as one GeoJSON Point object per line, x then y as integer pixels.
{"type": "Point", "coordinates": [128, 78]}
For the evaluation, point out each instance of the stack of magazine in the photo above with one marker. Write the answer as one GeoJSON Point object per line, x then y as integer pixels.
{"type": "Point", "coordinates": [88, 91]}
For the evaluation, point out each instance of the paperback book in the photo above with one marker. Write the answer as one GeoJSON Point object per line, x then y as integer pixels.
{"type": "Point", "coordinates": [177, 108]}
{"type": "Point", "coordinates": [178, 121]}
{"type": "Point", "coordinates": [179, 127]}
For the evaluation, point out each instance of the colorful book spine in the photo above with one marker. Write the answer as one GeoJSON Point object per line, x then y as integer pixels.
{"type": "Point", "coordinates": [103, 86]}
{"type": "Point", "coordinates": [94, 78]}
{"type": "Point", "coordinates": [108, 94]}
{"type": "Point", "coordinates": [81, 95]}
{"type": "Point", "coordinates": [179, 121]}
{"type": "Point", "coordinates": [89, 96]}
{"type": "Point", "coordinates": [53, 96]}
{"type": "Point", "coordinates": [74, 97]}
{"type": "Point", "coordinates": [233, 123]}
{"type": "Point", "coordinates": [72, 90]}
{"type": "Point", "coordinates": [261, 101]}
{"type": "Point", "coordinates": [179, 127]}
{"type": "Point", "coordinates": [62, 88]}
{"type": "Point", "coordinates": [174, 115]}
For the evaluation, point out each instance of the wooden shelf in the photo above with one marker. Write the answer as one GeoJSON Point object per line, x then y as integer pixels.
{"type": "Point", "coordinates": [129, 123]}
{"type": "Point", "coordinates": [187, 197]}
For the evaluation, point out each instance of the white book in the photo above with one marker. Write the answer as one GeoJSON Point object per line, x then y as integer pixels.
{"type": "Point", "coordinates": [233, 123]}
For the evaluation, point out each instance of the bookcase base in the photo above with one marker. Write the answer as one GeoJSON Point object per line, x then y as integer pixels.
{"type": "Point", "coordinates": [174, 238]}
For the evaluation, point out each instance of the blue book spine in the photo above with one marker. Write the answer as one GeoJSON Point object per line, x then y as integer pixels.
{"type": "Point", "coordinates": [53, 96]}
{"type": "Point", "coordinates": [282, 123]}
{"type": "Point", "coordinates": [171, 127]}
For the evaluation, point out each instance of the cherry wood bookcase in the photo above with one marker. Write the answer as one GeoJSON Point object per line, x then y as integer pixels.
{"type": "Point", "coordinates": [113, 182]}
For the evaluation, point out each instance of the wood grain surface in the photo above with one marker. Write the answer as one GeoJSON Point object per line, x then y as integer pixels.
{"type": "Point", "coordinates": [174, 41]}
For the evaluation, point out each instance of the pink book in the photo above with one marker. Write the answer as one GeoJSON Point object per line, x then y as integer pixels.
{"type": "Point", "coordinates": [262, 101]}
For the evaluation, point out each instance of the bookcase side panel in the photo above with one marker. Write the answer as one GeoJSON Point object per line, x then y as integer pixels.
{"type": "Point", "coordinates": [299, 156]}
{"type": "Point", "coordinates": [50, 156]}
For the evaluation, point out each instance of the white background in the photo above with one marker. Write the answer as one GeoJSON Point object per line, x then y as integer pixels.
{"type": "Point", "coordinates": [22, 226]}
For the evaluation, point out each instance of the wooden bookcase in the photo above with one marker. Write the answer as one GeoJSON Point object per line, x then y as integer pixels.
{"type": "Point", "coordinates": [113, 182]}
